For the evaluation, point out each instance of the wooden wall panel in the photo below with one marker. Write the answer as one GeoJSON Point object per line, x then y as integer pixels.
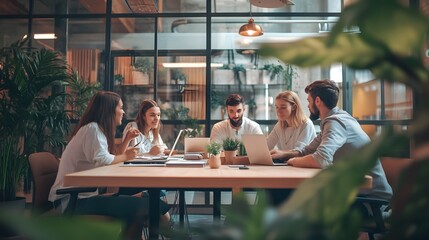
{"type": "Point", "coordinates": [194, 96]}
{"type": "Point", "coordinates": [85, 62]}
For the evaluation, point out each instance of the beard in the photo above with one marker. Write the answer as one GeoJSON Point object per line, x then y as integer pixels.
{"type": "Point", "coordinates": [314, 115]}
{"type": "Point", "coordinates": [236, 123]}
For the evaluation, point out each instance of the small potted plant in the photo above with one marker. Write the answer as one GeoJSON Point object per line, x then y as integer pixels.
{"type": "Point", "coordinates": [242, 158]}
{"type": "Point", "coordinates": [213, 149]}
{"type": "Point", "coordinates": [230, 147]}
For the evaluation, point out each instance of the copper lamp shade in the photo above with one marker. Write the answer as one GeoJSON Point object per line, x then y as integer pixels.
{"type": "Point", "coordinates": [250, 29]}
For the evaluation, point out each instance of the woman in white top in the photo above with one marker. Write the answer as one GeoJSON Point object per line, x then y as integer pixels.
{"type": "Point", "coordinates": [293, 129]}
{"type": "Point", "coordinates": [149, 141]}
{"type": "Point", "coordinates": [92, 145]}
{"type": "Point", "coordinates": [148, 123]}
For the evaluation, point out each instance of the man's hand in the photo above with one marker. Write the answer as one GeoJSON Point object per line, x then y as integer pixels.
{"type": "Point", "coordinates": [279, 154]}
{"type": "Point", "coordinates": [304, 162]}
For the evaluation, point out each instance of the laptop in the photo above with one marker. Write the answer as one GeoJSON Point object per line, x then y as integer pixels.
{"type": "Point", "coordinates": [196, 145]}
{"type": "Point", "coordinates": [257, 150]}
{"type": "Point", "coordinates": [154, 160]}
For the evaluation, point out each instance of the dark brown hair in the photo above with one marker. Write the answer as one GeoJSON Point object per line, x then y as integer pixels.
{"type": "Point", "coordinates": [233, 100]}
{"type": "Point", "coordinates": [326, 90]}
{"type": "Point", "coordinates": [102, 110]}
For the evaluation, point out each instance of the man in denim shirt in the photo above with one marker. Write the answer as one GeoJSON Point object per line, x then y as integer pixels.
{"type": "Point", "coordinates": [340, 134]}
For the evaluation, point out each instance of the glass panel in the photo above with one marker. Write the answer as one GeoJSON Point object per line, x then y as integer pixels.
{"type": "Point", "coordinates": [164, 6]}
{"type": "Point", "coordinates": [86, 47]}
{"type": "Point", "coordinates": [133, 33]}
{"type": "Point", "coordinates": [366, 96]}
{"type": "Point", "coordinates": [12, 30]}
{"type": "Point", "coordinates": [133, 80]}
{"type": "Point", "coordinates": [183, 6]}
{"type": "Point", "coordinates": [182, 89]}
{"type": "Point", "coordinates": [398, 101]}
{"type": "Point", "coordinates": [267, 6]}
{"type": "Point", "coordinates": [71, 7]}
{"type": "Point", "coordinates": [44, 33]}
{"type": "Point", "coordinates": [367, 104]}
{"type": "Point", "coordinates": [11, 7]}
{"type": "Point", "coordinates": [182, 33]}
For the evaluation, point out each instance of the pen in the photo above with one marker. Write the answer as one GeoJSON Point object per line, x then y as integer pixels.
{"type": "Point", "coordinates": [137, 143]}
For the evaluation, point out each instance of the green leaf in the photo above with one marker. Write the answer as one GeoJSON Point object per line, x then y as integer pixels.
{"type": "Point", "coordinates": [61, 228]}
{"type": "Point", "coordinates": [323, 203]}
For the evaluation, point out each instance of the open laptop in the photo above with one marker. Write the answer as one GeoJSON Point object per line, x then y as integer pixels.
{"type": "Point", "coordinates": [196, 145]}
{"type": "Point", "coordinates": [257, 150]}
{"type": "Point", "coordinates": [155, 160]}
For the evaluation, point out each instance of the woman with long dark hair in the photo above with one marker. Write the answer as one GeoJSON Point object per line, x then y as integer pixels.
{"type": "Point", "coordinates": [92, 145]}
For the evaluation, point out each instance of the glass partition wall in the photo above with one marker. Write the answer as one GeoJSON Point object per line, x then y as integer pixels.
{"type": "Point", "coordinates": [188, 56]}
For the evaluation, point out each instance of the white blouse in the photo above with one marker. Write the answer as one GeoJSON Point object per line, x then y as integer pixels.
{"type": "Point", "coordinates": [145, 143]}
{"type": "Point", "coordinates": [291, 138]}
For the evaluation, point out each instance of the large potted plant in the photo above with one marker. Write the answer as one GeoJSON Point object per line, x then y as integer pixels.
{"type": "Point", "coordinates": [32, 112]}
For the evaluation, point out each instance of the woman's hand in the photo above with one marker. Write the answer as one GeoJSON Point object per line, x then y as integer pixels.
{"type": "Point", "coordinates": [131, 134]}
{"type": "Point", "coordinates": [156, 150]}
{"type": "Point", "coordinates": [131, 153]}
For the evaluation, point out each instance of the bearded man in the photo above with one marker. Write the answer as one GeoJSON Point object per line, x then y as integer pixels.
{"type": "Point", "coordinates": [236, 125]}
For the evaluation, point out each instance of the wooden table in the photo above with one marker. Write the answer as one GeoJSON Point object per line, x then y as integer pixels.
{"type": "Point", "coordinates": [157, 178]}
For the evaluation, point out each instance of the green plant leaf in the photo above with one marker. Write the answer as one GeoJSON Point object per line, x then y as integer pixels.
{"type": "Point", "coordinates": [61, 228]}
{"type": "Point", "coordinates": [322, 203]}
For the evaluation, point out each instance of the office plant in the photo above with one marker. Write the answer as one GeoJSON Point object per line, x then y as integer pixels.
{"type": "Point", "coordinates": [32, 112]}
{"type": "Point", "coordinates": [230, 147]}
{"type": "Point", "coordinates": [80, 92]}
{"type": "Point", "coordinates": [214, 149]}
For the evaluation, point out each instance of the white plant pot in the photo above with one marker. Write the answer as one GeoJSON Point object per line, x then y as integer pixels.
{"type": "Point", "coordinates": [223, 76]}
{"type": "Point", "coordinates": [140, 78]}
{"type": "Point", "coordinates": [265, 79]}
{"type": "Point", "coordinates": [252, 76]}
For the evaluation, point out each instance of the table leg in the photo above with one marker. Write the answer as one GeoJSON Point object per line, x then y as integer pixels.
{"type": "Point", "coordinates": [154, 194]}
{"type": "Point", "coordinates": [216, 206]}
{"type": "Point", "coordinates": [181, 208]}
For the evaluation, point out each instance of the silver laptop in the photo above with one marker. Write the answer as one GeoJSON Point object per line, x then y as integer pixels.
{"type": "Point", "coordinates": [155, 160]}
{"type": "Point", "coordinates": [257, 150]}
{"type": "Point", "coordinates": [196, 145]}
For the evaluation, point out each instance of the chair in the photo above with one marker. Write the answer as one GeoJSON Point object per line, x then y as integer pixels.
{"type": "Point", "coordinates": [377, 224]}
{"type": "Point", "coordinates": [44, 168]}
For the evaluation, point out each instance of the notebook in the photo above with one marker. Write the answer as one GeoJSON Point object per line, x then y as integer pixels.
{"type": "Point", "coordinates": [257, 150]}
{"type": "Point", "coordinates": [154, 160]}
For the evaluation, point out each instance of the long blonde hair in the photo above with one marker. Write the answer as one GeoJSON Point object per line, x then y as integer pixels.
{"type": "Point", "coordinates": [297, 115]}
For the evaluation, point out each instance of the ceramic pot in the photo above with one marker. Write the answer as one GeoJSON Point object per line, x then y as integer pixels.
{"type": "Point", "coordinates": [229, 156]}
{"type": "Point", "coordinates": [241, 160]}
{"type": "Point", "coordinates": [214, 161]}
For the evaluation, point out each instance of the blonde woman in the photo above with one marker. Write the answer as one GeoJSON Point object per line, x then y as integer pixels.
{"type": "Point", "coordinates": [293, 129]}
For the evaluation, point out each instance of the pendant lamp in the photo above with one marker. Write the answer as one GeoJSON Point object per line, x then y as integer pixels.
{"type": "Point", "coordinates": [251, 29]}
